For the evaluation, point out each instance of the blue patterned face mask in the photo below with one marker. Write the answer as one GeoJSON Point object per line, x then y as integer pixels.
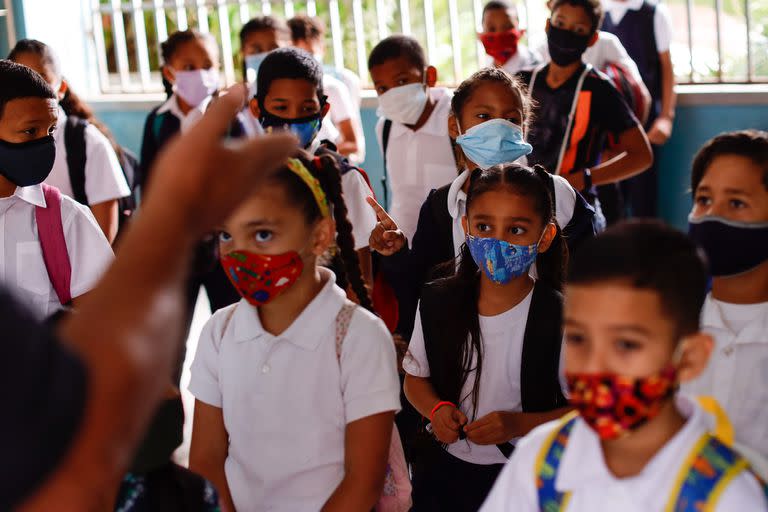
{"type": "Point", "coordinates": [502, 261]}
{"type": "Point", "coordinates": [305, 128]}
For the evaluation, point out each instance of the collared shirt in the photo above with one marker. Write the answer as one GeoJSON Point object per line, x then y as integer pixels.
{"type": "Point", "coordinates": [418, 161]}
{"type": "Point", "coordinates": [584, 473]}
{"type": "Point", "coordinates": [524, 59]}
{"type": "Point", "coordinates": [737, 373]}
{"type": "Point", "coordinates": [662, 23]}
{"type": "Point", "coordinates": [104, 178]}
{"type": "Point", "coordinates": [500, 389]}
{"type": "Point", "coordinates": [286, 399]}
{"type": "Point", "coordinates": [22, 268]}
{"type": "Point", "coordinates": [185, 120]}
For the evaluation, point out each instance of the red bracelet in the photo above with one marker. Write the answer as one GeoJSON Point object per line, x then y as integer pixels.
{"type": "Point", "coordinates": [438, 406]}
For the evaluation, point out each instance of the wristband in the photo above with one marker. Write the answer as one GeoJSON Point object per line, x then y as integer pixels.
{"type": "Point", "coordinates": [437, 407]}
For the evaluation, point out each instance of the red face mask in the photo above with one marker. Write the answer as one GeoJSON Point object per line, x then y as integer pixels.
{"type": "Point", "coordinates": [613, 405]}
{"type": "Point", "coordinates": [501, 45]}
{"type": "Point", "coordinates": [259, 278]}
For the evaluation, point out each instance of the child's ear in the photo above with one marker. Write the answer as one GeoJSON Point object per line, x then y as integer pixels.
{"type": "Point", "coordinates": [548, 237]}
{"type": "Point", "coordinates": [453, 127]}
{"type": "Point", "coordinates": [62, 89]}
{"type": "Point", "coordinates": [694, 355]}
{"type": "Point", "coordinates": [465, 224]}
{"type": "Point", "coordinates": [324, 236]}
{"type": "Point", "coordinates": [325, 110]}
{"type": "Point", "coordinates": [431, 76]}
{"type": "Point", "coordinates": [168, 74]}
{"type": "Point", "coordinates": [253, 105]}
{"type": "Point", "coordinates": [594, 38]}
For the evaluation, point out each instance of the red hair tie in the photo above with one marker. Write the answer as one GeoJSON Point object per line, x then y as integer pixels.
{"type": "Point", "coordinates": [318, 163]}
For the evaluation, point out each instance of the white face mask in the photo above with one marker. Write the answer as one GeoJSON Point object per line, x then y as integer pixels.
{"type": "Point", "coordinates": [195, 86]}
{"type": "Point", "coordinates": [403, 104]}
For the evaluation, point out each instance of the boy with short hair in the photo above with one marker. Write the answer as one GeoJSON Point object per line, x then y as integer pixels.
{"type": "Point", "coordinates": [413, 128]}
{"type": "Point", "coordinates": [578, 108]}
{"type": "Point", "coordinates": [632, 335]}
{"type": "Point", "coordinates": [501, 38]}
{"type": "Point", "coordinates": [729, 220]}
{"type": "Point", "coordinates": [258, 37]}
{"type": "Point", "coordinates": [39, 243]}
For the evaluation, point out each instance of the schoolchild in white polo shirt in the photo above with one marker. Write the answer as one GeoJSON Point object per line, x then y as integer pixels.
{"type": "Point", "coordinates": [296, 387]}
{"type": "Point", "coordinates": [729, 221]}
{"type": "Point", "coordinates": [413, 126]}
{"type": "Point", "coordinates": [103, 181]}
{"type": "Point", "coordinates": [28, 110]}
{"type": "Point", "coordinates": [632, 335]}
{"type": "Point", "coordinates": [501, 37]}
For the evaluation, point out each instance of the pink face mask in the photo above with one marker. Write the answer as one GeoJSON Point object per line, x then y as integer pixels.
{"type": "Point", "coordinates": [196, 85]}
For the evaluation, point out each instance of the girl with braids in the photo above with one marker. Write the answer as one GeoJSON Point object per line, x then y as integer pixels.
{"type": "Point", "coordinates": [483, 362]}
{"type": "Point", "coordinates": [287, 417]}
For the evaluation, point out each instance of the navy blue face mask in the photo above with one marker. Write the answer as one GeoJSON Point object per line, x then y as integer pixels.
{"type": "Point", "coordinates": [731, 247]}
{"type": "Point", "coordinates": [27, 163]}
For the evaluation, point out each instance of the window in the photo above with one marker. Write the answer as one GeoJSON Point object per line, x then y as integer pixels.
{"type": "Point", "coordinates": [6, 22]}
{"type": "Point", "coordinates": [728, 38]}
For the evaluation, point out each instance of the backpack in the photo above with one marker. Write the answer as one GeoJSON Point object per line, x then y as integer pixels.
{"type": "Point", "coordinates": [50, 233]}
{"type": "Point", "coordinates": [629, 89]}
{"type": "Point", "coordinates": [74, 142]}
{"type": "Point", "coordinates": [169, 488]}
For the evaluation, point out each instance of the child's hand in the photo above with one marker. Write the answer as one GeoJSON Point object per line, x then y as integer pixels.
{"type": "Point", "coordinates": [446, 424]}
{"type": "Point", "coordinates": [386, 238]}
{"type": "Point", "coordinates": [661, 131]}
{"type": "Point", "coordinates": [494, 428]}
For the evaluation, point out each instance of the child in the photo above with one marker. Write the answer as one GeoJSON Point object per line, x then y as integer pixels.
{"type": "Point", "coordinates": [258, 37]}
{"type": "Point", "coordinates": [103, 182]}
{"type": "Point", "coordinates": [289, 415]}
{"type": "Point", "coordinates": [645, 30]}
{"type": "Point", "coordinates": [413, 127]}
{"type": "Point", "coordinates": [483, 360]}
{"type": "Point", "coordinates": [290, 94]}
{"type": "Point", "coordinates": [501, 38]}
{"type": "Point", "coordinates": [342, 86]}
{"type": "Point", "coordinates": [578, 108]}
{"type": "Point", "coordinates": [632, 334]}
{"type": "Point", "coordinates": [40, 275]}
{"type": "Point", "coordinates": [730, 221]}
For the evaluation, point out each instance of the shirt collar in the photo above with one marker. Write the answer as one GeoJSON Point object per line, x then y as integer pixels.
{"type": "Point", "coordinates": [172, 105]}
{"type": "Point", "coordinates": [305, 329]}
{"type": "Point", "coordinates": [712, 317]}
{"type": "Point", "coordinates": [456, 195]}
{"type": "Point", "coordinates": [436, 124]}
{"type": "Point", "coordinates": [32, 194]}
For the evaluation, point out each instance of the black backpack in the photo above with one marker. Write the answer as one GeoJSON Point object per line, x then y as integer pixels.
{"type": "Point", "coordinates": [74, 141]}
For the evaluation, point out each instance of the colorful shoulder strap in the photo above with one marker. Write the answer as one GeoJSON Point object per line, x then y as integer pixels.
{"type": "Point", "coordinates": [548, 463]}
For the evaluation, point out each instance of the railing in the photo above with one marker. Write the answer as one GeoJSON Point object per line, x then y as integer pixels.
{"type": "Point", "coordinates": [6, 17]}
{"type": "Point", "coordinates": [127, 34]}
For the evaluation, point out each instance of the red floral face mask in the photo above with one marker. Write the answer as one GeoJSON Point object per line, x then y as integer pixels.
{"type": "Point", "coordinates": [501, 45]}
{"type": "Point", "coordinates": [259, 278]}
{"type": "Point", "coordinates": [613, 405]}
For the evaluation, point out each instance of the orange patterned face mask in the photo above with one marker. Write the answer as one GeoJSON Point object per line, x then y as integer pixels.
{"type": "Point", "coordinates": [259, 278]}
{"type": "Point", "coordinates": [613, 405]}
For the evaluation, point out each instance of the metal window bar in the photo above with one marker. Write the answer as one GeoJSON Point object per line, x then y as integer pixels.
{"type": "Point", "coordinates": [245, 13]}
{"type": "Point", "coordinates": [202, 16]}
{"type": "Point", "coordinates": [358, 22]}
{"type": "Point", "coordinates": [311, 8]}
{"type": "Point", "coordinates": [478, 11]}
{"type": "Point", "coordinates": [160, 23]}
{"type": "Point", "coordinates": [748, 22]}
{"type": "Point", "coordinates": [266, 7]}
{"type": "Point", "coordinates": [141, 44]}
{"type": "Point", "coordinates": [336, 35]}
{"type": "Point", "coordinates": [689, 15]}
{"type": "Point", "coordinates": [181, 15]}
{"type": "Point", "coordinates": [289, 12]}
{"type": "Point", "coordinates": [226, 42]}
{"type": "Point", "coordinates": [718, 25]}
{"type": "Point", "coordinates": [405, 17]}
{"type": "Point", "coordinates": [101, 50]}
{"type": "Point", "coordinates": [121, 47]}
{"type": "Point", "coordinates": [453, 20]}
{"type": "Point", "coordinates": [381, 20]}
{"type": "Point", "coordinates": [429, 25]}
{"type": "Point", "coordinates": [10, 28]}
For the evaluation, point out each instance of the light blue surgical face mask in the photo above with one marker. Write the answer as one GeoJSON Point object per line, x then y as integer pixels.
{"type": "Point", "coordinates": [502, 261]}
{"type": "Point", "coordinates": [252, 65]}
{"type": "Point", "coordinates": [493, 142]}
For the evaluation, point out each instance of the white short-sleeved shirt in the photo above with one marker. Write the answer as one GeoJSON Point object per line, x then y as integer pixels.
{"type": "Point", "coordinates": [352, 91]}
{"type": "Point", "coordinates": [285, 399]}
{"type": "Point", "coordinates": [186, 121]}
{"type": "Point", "coordinates": [360, 214]}
{"type": "Point", "coordinates": [22, 268]}
{"type": "Point", "coordinates": [104, 178]}
{"type": "Point", "coordinates": [737, 373]}
{"type": "Point", "coordinates": [524, 59]}
{"type": "Point", "coordinates": [339, 99]}
{"type": "Point", "coordinates": [418, 161]}
{"type": "Point", "coordinates": [662, 23]}
{"type": "Point", "coordinates": [500, 388]}
{"type": "Point", "coordinates": [594, 488]}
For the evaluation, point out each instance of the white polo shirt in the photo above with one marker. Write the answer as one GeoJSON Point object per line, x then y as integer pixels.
{"type": "Point", "coordinates": [737, 373]}
{"type": "Point", "coordinates": [104, 178]}
{"type": "Point", "coordinates": [355, 190]}
{"type": "Point", "coordinates": [22, 268]}
{"type": "Point", "coordinates": [185, 120]}
{"type": "Point", "coordinates": [285, 400]}
{"type": "Point", "coordinates": [595, 489]}
{"type": "Point", "coordinates": [418, 161]}
{"type": "Point", "coordinates": [662, 23]}
{"type": "Point", "coordinates": [524, 59]}
{"type": "Point", "coordinates": [500, 388]}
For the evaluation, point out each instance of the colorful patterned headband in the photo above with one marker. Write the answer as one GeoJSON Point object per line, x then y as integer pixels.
{"type": "Point", "coordinates": [299, 170]}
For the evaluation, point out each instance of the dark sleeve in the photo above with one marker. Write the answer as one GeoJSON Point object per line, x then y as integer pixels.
{"type": "Point", "coordinates": [148, 149]}
{"type": "Point", "coordinates": [612, 111]}
{"type": "Point", "coordinates": [44, 389]}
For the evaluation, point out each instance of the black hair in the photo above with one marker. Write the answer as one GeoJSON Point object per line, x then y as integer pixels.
{"type": "Point", "coordinates": [465, 90]}
{"type": "Point", "coordinates": [397, 46]}
{"type": "Point", "coordinates": [291, 63]}
{"type": "Point", "coordinates": [328, 174]}
{"type": "Point", "coordinates": [593, 8]}
{"type": "Point", "coordinates": [260, 23]}
{"type": "Point", "coordinates": [170, 46]}
{"type": "Point", "coordinates": [17, 81]}
{"type": "Point", "coordinates": [465, 283]}
{"type": "Point", "coordinates": [71, 103]}
{"type": "Point", "coordinates": [648, 255]}
{"type": "Point", "coordinates": [306, 28]}
{"type": "Point", "coordinates": [498, 4]}
{"type": "Point", "coordinates": [751, 144]}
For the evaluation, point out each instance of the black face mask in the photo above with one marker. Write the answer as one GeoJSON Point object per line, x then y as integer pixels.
{"type": "Point", "coordinates": [732, 247]}
{"type": "Point", "coordinates": [27, 163]}
{"type": "Point", "coordinates": [566, 47]}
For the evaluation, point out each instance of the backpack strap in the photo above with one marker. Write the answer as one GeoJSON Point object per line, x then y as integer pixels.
{"type": "Point", "coordinates": [385, 132]}
{"type": "Point", "coordinates": [548, 463]}
{"type": "Point", "coordinates": [343, 319]}
{"type": "Point", "coordinates": [74, 142]}
{"type": "Point", "coordinates": [50, 232]}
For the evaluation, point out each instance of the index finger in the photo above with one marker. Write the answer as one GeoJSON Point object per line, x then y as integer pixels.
{"type": "Point", "coordinates": [381, 214]}
{"type": "Point", "coordinates": [216, 120]}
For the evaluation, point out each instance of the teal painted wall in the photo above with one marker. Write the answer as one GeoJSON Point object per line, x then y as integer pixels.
{"type": "Point", "coordinates": [693, 126]}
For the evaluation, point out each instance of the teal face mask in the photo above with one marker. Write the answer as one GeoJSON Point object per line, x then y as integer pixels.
{"type": "Point", "coordinates": [493, 142]}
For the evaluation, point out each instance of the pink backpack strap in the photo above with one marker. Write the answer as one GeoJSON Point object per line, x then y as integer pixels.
{"type": "Point", "coordinates": [50, 231]}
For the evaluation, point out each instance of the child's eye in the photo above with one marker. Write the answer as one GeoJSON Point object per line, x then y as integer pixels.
{"type": "Point", "coordinates": [703, 200]}
{"type": "Point", "coordinates": [483, 228]}
{"type": "Point", "coordinates": [224, 237]}
{"type": "Point", "coordinates": [381, 90]}
{"type": "Point", "coordinates": [627, 345]}
{"type": "Point", "coordinates": [263, 236]}
{"type": "Point", "coordinates": [737, 204]}
{"type": "Point", "coordinates": [517, 230]}
{"type": "Point", "coordinates": [574, 338]}
{"type": "Point", "coordinates": [188, 67]}
{"type": "Point", "coordinates": [484, 117]}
